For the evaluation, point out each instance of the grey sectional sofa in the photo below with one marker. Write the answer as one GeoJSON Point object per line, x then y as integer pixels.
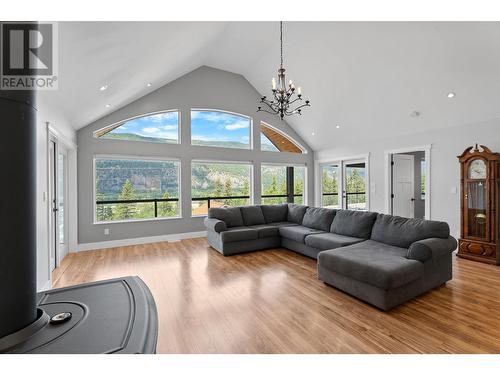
{"type": "Point", "coordinates": [382, 259]}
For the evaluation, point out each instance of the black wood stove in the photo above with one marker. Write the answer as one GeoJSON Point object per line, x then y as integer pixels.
{"type": "Point", "coordinates": [112, 316]}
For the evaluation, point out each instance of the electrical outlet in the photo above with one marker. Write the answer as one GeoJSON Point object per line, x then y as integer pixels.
{"type": "Point", "coordinates": [106, 231]}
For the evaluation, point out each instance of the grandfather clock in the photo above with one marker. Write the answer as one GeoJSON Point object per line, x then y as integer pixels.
{"type": "Point", "coordinates": [480, 205]}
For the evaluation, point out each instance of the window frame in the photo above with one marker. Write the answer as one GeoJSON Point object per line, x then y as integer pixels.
{"type": "Point", "coordinates": [287, 136]}
{"type": "Point", "coordinates": [250, 136]}
{"type": "Point", "coordinates": [117, 124]}
{"type": "Point", "coordinates": [134, 158]}
{"type": "Point", "coordinates": [305, 200]}
{"type": "Point", "coordinates": [217, 161]}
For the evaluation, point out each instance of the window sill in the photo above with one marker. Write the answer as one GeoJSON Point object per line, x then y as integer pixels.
{"type": "Point", "coordinates": [136, 220]}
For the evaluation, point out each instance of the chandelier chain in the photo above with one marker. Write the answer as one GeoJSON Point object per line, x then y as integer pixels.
{"type": "Point", "coordinates": [281, 43]}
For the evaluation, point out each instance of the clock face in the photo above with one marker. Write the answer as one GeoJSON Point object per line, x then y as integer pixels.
{"type": "Point", "coordinates": [477, 169]}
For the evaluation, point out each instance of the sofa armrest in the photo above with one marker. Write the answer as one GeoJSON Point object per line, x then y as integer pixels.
{"type": "Point", "coordinates": [430, 248]}
{"type": "Point", "coordinates": [215, 224]}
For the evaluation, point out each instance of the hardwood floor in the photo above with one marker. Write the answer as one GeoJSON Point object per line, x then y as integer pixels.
{"type": "Point", "coordinates": [272, 302]}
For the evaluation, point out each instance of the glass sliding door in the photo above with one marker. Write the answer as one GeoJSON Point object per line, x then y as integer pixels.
{"type": "Point", "coordinates": [355, 185]}
{"type": "Point", "coordinates": [344, 185]}
{"type": "Point", "coordinates": [330, 186]}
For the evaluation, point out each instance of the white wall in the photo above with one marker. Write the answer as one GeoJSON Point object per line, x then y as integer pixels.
{"type": "Point", "coordinates": [447, 144]}
{"type": "Point", "coordinates": [60, 125]}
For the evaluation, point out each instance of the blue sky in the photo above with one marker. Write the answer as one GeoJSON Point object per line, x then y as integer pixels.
{"type": "Point", "coordinates": [162, 125]}
{"type": "Point", "coordinates": [205, 126]}
{"type": "Point", "coordinates": [219, 126]}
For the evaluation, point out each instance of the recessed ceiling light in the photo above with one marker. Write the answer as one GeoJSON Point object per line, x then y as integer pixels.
{"type": "Point", "coordinates": [149, 84]}
{"type": "Point", "coordinates": [108, 105]}
{"type": "Point", "coordinates": [103, 87]}
{"type": "Point", "coordinates": [415, 114]}
{"type": "Point", "coordinates": [313, 133]}
{"type": "Point", "coordinates": [338, 126]}
{"type": "Point", "coordinates": [451, 95]}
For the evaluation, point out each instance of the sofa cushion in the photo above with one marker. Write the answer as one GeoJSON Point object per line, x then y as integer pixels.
{"type": "Point", "coordinates": [402, 232]}
{"type": "Point", "coordinates": [238, 234]}
{"type": "Point", "coordinates": [265, 231]}
{"type": "Point", "coordinates": [274, 213]}
{"type": "Point", "coordinates": [283, 224]}
{"type": "Point", "coordinates": [374, 263]}
{"type": "Point", "coordinates": [318, 218]}
{"type": "Point", "coordinates": [326, 241]}
{"type": "Point", "coordinates": [353, 223]}
{"type": "Point", "coordinates": [297, 232]}
{"type": "Point", "coordinates": [296, 213]}
{"type": "Point", "coordinates": [252, 215]}
{"type": "Point", "coordinates": [230, 215]}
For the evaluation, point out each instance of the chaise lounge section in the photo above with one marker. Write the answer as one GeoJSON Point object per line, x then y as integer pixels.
{"type": "Point", "coordinates": [381, 259]}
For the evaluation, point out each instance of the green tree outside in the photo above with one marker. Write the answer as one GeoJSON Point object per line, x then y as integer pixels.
{"type": "Point", "coordinates": [355, 184]}
{"type": "Point", "coordinates": [167, 209]}
{"type": "Point", "coordinates": [217, 187]}
{"type": "Point", "coordinates": [104, 212]}
{"type": "Point", "coordinates": [329, 185]}
{"type": "Point", "coordinates": [126, 210]}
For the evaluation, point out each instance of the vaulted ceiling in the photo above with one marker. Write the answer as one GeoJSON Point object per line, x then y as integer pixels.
{"type": "Point", "coordinates": [366, 77]}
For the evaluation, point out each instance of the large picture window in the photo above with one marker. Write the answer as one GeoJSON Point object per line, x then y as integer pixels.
{"type": "Point", "coordinates": [220, 129]}
{"type": "Point", "coordinates": [217, 184]}
{"type": "Point", "coordinates": [160, 127]}
{"type": "Point", "coordinates": [132, 189]}
{"type": "Point", "coordinates": [282, 184]}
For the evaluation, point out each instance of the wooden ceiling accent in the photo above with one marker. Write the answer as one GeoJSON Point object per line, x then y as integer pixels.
{"type": "Point", "coordinates": [281, 142]}
{"type": "Point", "coordinates": [107, 129]}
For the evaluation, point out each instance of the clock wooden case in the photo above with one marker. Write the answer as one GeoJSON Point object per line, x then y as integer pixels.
{"type": "Point", "coordinates": [480, 205]}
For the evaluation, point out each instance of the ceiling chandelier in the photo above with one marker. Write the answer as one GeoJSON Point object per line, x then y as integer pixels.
{"type": "Point", "coordinates": [284, 95]}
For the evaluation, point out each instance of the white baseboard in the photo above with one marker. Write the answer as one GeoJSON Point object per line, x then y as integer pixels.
{"type": "Point", "coordinates": [139, 240]}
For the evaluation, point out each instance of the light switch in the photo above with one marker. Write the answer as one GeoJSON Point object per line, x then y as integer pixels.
{"type": "Point", "coordinates": [106, 231]}
{"type": "Point", "coordinates": [454, 190]}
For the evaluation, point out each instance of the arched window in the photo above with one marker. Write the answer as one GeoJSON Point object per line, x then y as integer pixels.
{"type": "Point", "coordinates": [220, 129]}
{"type": "Point", "coordinates": [271, 139]}
{"type": "Point", "coordinates": [158, 127]}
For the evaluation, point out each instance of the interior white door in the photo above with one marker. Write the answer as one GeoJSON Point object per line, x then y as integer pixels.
{"type": "Point", "coordinates": [403, 185]}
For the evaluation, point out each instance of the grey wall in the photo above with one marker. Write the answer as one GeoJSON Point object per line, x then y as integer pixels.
{"type": "Point", "coordinates": [419, 204]}
{"type": "Point", "coordinates": [206, 88]}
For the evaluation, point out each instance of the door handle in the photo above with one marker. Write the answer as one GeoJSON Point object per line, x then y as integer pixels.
{"type": "Point", "coordinates": [55, 209]}
{"type": "Point", "coordinates": [412, 199]}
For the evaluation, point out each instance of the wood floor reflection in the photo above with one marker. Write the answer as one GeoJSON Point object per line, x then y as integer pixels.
{"type": "Point", "coordinates": [272, 302]}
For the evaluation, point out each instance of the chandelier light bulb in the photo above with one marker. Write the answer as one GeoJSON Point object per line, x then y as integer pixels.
{"type": "Point", "coordinates": [273, 82]}
{"type": "Point", "coordinates": [299, 90]}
